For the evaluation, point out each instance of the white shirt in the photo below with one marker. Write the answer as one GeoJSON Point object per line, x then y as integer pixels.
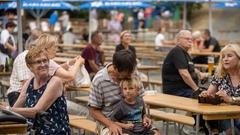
{"type": "Point", "coordinates": [158, 40]}
{"type": "Point", "coordinates": [5, 35]}
{"type": "Point", "coordinates": [3, 39]}
{"type": "Point", "coordinates": [21, 72]}
{"type": "Point", "coordinates": [68, 38]}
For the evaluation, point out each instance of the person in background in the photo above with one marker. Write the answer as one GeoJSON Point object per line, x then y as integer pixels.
{"type": "Point", "coordinates": [160, 39]}
{"type": "Point", "coordinates": [19, 76]}
{"type": "Point", "coordinates": [210, 44]}
{"type": "Point", "coordinates": [106, 93]}
{"type": "Point", "coordinates": [130, 110]}
{"type": "Point", "coordinates": [197, 41]}
{"type": "Point", "coordinates": [43, 92]}
{"type": "Point", "coordinates": [225, 82]}
{"type": "Point", "coordinates": [126, 37]}
{"type": "Point", "coordinates": [85, 35]}
{"type": "Point", "coordinates": [35, 33]}
{"type": "Point", "coordinates": [94, 54]}
{"type": "Point", "coordinates": [114, 27]}
{"type": "Point", "coordinates": [9, 17]}
{"type": "Point", "coordinates": [179, 76]}
{"type": "Point", "coordinates": [69, 37]}
{"type": "Point", "coordinates": [53, 20]}
{"type": "Point", "coordinates": [8, 46]}
{"type": "Point", "coordinates": [64, 18]}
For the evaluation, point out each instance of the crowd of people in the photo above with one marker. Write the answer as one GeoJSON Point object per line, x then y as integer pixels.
{"type": "Point", "coordinates": [115, 99]}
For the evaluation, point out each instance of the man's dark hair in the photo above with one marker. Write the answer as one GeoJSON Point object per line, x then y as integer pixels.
{"type": "Point", "coordinates": [207, 31]}
{"type": "Point", "coordinates": [10, 25]}
{"type": "Point", "coordinates": [124, 60]}
{"type": "Point", "coordinates": [94, 34]}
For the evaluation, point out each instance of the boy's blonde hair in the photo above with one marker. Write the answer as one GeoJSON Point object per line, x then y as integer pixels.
{"type": "Point", "coordinates": [131, 82]}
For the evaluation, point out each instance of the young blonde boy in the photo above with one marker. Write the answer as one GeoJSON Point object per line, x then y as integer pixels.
{"type": "Point", "coordinates": [130, 111]}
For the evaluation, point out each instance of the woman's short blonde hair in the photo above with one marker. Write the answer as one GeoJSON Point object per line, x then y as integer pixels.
{"type": "Point", "coordinates": [230, 47]}
{"type": "Point", "coordinates": [46, 41]}
{"type": "Point", "coordinates": [34, 53]}
{"type": "Point", "coordinates": [123, 33]}
{"type": "Point", "coordinates": [196, 34]}
{"type": "Point", "coordinates": [131, 82]}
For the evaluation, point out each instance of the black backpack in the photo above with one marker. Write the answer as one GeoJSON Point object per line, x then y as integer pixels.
{"type": "Point", "coordinates": [7, 116]}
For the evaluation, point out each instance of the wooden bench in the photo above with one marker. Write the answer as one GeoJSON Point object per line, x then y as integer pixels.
{"type": "Point", "coordinates": [152, 83]}
{"type": "Point", "coordinates": [171, 117]}
{"type": "Point", "coordinates": [80, 122]}
{"type": "Point", "coordinates": [82, 99]}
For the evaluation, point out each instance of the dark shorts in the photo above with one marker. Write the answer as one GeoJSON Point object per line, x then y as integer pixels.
{"type": "Point", "coordinates": [182, 92]}
{"type": "Point", "coordinates": [12, 97]}
{"type": "Point", "coordinates": [139, 129]}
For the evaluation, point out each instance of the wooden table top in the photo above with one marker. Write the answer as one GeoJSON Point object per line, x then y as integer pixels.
{"type": "Point", "coordinates": [13, 128]}
{"type": "Point", "coordinates": [148, 68]}
{"type": "Point", "coordinates": [86, 88]}
{"type": "Point", "coordinates": [188, 104]}
{"type": "Point", "coordinates": [205, 53]}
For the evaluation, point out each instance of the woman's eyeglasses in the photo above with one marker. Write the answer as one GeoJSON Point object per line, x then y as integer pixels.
{"type": "Point", "coordinates": [39, 62]}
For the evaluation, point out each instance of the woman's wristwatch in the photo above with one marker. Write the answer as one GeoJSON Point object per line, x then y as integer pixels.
{"type": "Point", "coordinates": [234, 100]}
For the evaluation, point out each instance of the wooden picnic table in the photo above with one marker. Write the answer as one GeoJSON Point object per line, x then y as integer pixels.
{"type": "Point", "coordinates": [208, 111]}
{"type": "Point", "coordinates": [205, 53]}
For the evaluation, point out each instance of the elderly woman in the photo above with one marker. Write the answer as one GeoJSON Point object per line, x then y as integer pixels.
{"type": "Point", "coordinates": [226, 80]}
{"type": "Point", "coordinates": [43, 92]}
{"type": "Point", "coordinates": [125, 37]}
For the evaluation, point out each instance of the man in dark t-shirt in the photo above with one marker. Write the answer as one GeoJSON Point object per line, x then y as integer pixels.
{"type": "Point", "coordinates": [178, 73]}
{"type": "Point", "coordinates": [94, 54]}
{"type": "Point", "coordinates": [210, 45]}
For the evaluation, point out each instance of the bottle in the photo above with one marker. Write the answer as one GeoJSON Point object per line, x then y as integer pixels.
{"type": "Point", "coordinates": [6, 67]}
{"type": "Point", "coordinates": [210, 65]}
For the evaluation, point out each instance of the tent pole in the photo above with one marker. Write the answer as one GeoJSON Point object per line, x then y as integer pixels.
{"type": "Point", "coordinates": [210, 16]}
{"type": "Point", "coordinates": [19, 21]}
{"type": "Point", "coordinates": [89, 25]}
{"type": "Point", "coordinates": [184, 15]}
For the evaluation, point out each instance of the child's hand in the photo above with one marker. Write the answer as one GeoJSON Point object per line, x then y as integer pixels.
{"type": "Point", "coordinates": [147, 122]}
{"type": "Point", "coordinates": [129, 126]}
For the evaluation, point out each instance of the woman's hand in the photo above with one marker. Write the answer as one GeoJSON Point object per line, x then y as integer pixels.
{"type": "Point", "coordinates": [205, 94]}
{"type": "Point", "coordinates": [223, 95]}
{"type": "Point", "coordinates": [2, 106]}
{"type": "Point", "coordinates": [80, 59]}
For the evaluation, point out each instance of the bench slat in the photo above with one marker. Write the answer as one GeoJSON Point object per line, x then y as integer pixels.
{"type": "Point", "coordinates": [166, 116]}
{"type": "Point", "coordinates": [82, 123]}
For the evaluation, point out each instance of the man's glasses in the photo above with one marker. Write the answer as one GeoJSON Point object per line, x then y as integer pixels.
{"type": "Point", "coordinates": [39, 62]}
